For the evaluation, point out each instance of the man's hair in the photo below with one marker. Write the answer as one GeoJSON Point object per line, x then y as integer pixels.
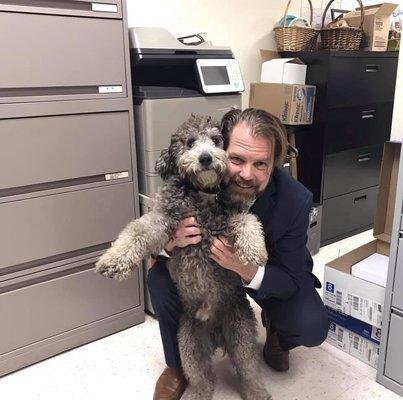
{"type": "Point", "coordinates": [260, 123]}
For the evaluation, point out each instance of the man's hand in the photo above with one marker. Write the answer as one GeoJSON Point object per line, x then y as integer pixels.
{"type": "Point", "coordinates": [224, 255]}
{"type": "Point", "coordinates": [188, 232]}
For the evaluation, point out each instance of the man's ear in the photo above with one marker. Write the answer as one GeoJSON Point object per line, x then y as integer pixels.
{"type": "Point", "coordinates": [165, 165]}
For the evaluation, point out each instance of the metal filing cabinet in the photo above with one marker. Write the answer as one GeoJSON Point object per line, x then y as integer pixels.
{"type": "Point", "coordinates": [68, 177]}
{"type": "Point", "coordinates": [340, 153]}
{"type": "Point", "coordinates": [390, 366]}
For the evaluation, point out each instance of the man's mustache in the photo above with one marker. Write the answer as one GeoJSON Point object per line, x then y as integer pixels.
{"type": "Point", "coordinates": [242, 182]}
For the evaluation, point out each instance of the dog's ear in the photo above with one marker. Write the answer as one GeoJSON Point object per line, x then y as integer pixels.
{"type": "Point", "coordinates": [165, 165]}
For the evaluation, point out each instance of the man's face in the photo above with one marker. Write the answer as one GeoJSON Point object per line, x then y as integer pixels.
{"type": "Point", "coordinates": [250, 164]}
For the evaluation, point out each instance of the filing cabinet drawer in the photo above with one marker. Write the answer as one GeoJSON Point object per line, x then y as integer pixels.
{"type": "Point", "coordinates": [397, 297]}
{"type": "Point", "coordinates": [82, 8]}
{"type": "Point", "coordinates": [43, 150]}
{"type": "Point", "coordinates": [63, 57]}
{"type": "Point", "coordinates": [394, 351]}
{"type": "Point", "coordinates": [351, 170]}
{"type": "Point", "coordinates": [48, 226]}
{"type": "Point", "coordinates": [356, 81]}
{"type": "Point", "coordinates": [347, 213]}
{"type": "Point", "coordinates": [73, 296]}
{"type": "Point", "coordinates": [352, 127]}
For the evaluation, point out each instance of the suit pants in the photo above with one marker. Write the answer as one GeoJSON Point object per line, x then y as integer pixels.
{"type": "Point", "coordinates": [300, 320]}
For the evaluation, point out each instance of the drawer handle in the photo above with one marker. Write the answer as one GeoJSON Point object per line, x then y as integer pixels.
{"type": "Point", "coordinates": [113, 8]}
{"type": "Point", "coordinates": [372, 68]}
{"type": "Point", "coordinates": [359, 198]}
{"type": "Point", "coordinates": [368, 114]}
{"type": "Point", "coordinates": [364, 157]}
{"type": "Point", "coordinates": [397, 312]}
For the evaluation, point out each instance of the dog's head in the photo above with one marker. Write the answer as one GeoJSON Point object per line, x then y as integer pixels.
{"type": "Point", "coordinates": [195, 154]}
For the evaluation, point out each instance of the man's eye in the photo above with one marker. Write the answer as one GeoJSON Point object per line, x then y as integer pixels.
{"type": "Point", "coordinates": [236, 160]}
{"type": "Point", "coordinates": [261, 165]}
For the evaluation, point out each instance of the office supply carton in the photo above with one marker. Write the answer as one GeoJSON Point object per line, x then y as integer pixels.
{"type": "Point", "coordinates": [376, 25]}
{"type": "Point", "coordinates": [354, 337]}
{"type": "Point", "coordinates": [281, 70]}
{"type": "Point", "coordinates": [349, 294]}
{"type": "Point", "coordinates": [292, 104]}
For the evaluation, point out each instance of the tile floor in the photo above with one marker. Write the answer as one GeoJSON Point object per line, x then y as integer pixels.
{"type": "Point", "coordinates": [125, 366]}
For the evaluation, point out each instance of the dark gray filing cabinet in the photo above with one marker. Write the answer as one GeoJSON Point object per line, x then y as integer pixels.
{"type": "Point", "coordinates": [340, 153]}
{"type": "Point", "coordinates": [390, 364]}
{"type": "Point", "coordinates": [67, 175]}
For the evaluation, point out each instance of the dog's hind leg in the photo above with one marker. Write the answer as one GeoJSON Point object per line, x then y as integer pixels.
{"type": "Point", "coordinates": [247, 234]}
{"type": "Point", "coordinates": [239, 331]}
{"type": "Point", "coordinates": [196, 351]}
{"type": "Point", "coordinates": [139, 239]}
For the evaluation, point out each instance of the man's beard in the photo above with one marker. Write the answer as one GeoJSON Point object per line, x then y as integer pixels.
{"type": "Point", "coordinates": [241, 191]}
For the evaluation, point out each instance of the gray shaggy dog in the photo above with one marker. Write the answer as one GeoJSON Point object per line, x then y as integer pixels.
{"type": "Point", "coordinates": [216, 310]}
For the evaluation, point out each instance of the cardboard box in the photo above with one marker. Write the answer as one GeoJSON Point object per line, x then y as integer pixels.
{"type": "Point", "coordinates": [357, 346]}
{"type": "Point", "coordinates": [351, 295]}
{"type": "Point", "coordinates": [281, 70]}
{"type": "Point", "coordinates": [376, 25]}
{"type": "Point", "coordinates": [361, 328]}
{"type": "Point", "coordinates": [292, 104]}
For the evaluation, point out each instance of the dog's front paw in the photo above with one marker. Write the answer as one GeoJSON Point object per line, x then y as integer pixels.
{"type": "Point", "coordinates": [117, 268]}
{"type": "Point", "coordinates": [249, 243]}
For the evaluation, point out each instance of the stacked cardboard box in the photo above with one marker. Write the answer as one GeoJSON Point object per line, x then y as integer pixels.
{"type": "Point", "coordinates": [282, 90]}
{"type": "Point", "coordinates": [354, 336]}
{"type": "Point", "coordinates": [355, 302]}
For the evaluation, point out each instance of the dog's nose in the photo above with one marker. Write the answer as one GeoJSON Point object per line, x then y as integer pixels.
{"type": "Point", "coordinates": [205, 159]}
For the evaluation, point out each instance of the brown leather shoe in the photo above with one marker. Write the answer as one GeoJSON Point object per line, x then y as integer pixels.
{"type": "Point", "coordinates": [274, 356]}
{"type": "Point", "coordinates": [170, 385]}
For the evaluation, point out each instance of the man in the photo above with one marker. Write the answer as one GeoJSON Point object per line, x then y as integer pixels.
{"type": "Point", "coordinates": [284, 288]}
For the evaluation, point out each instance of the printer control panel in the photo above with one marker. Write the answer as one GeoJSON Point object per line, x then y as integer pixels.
{"type": "Point", "coordinates": [219, 75]}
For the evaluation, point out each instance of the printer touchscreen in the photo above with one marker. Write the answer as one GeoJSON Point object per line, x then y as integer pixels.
{"type": "Point", "coordinates": [219, 75]}
{"type": "Point", "coordinates": [215, 75]}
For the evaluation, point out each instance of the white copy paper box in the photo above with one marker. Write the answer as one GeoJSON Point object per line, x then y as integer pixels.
{"type": "Point", "coordinates": [353, 296]}
{"type": "Point", "coordinates": [283, 70]}
{"type": "Point", "coordinates": [353, 344]}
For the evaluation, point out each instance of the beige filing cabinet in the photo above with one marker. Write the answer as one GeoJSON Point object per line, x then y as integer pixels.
{"type": "Point", "coordinates": [67, 175]}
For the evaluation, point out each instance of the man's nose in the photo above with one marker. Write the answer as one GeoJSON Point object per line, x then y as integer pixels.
{"type": "Point", "coordinates": [246, 172]}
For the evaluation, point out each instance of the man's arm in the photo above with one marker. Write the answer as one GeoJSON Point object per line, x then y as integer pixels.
{"type": "Point", "coordinates": [287, 267]}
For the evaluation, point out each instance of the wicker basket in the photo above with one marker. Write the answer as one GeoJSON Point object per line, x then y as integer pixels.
{"type": "Point", "coordinates": [296, 38]}
{"type": "Point", "coordinates": [344, 37]}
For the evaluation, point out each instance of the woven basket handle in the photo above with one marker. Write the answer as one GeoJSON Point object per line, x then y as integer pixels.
{"type": "Point", "coordinates": [331, 1]}
{"type": "Point", "coordinates": [288, 6]}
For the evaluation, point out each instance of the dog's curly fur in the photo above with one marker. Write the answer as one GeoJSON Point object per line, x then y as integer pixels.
{"type": "Point", "coordinates": [216, 310]}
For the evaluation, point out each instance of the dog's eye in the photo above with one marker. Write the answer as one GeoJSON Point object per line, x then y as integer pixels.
{"type": "Point", "coordinates": [217, 140]}
{"type": "Point", "coordinates": [190, 142]}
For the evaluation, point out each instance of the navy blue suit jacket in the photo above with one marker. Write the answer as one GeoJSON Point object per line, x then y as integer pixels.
{"type": "Point", "coordinates": [283, 209]}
